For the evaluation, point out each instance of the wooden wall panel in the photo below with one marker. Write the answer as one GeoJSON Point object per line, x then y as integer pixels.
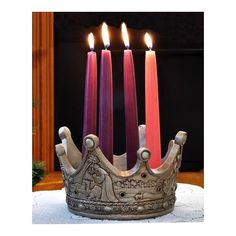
{"type": "Point", "coordinates": [43, 88]}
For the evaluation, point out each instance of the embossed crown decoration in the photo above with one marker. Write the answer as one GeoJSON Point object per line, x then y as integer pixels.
{"type": "Point", "coordinates": [97, 189]}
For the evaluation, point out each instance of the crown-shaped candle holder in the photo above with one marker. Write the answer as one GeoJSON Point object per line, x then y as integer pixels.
{"type": "Point", "coordinates": [98, 189]}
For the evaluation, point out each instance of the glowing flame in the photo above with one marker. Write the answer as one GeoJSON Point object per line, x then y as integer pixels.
{"type": "Point", "coordinates": [125, 35]}
{"type": "Point", "coordinates": [148, 40]}
{"type": "Point", "coordinates": [91, 41]}
{"type": "Point", "coordinates": [105, 35]}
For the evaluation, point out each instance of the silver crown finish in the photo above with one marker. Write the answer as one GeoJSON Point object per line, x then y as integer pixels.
{"type": "Point", "coordinates": [97, 189]}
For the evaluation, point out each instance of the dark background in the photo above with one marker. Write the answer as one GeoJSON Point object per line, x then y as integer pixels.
{"type": "Point", "coordinates": [178, 41]}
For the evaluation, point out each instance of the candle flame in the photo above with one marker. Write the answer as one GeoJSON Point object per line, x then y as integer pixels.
{"type": "Point", "coordinates": [91, 41]}
{"type": "Point", "coordinates": [105, 35]}
{"type": "Point", "coordinates": [125, 35]}
{"type": "Point", "coordinates": [148, 40]}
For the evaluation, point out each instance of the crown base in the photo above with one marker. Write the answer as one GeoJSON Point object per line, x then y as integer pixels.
{"type": "Point", "coordinates": [132, 215]}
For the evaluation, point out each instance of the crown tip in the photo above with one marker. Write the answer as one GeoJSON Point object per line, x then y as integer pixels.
{"type": "Point", "coordinates": [64, 132]}
{"type": "Point", "coordinates": [60, 150]}
{"type": "Point", "coordinates": [181, 138]}
{"type": "Point", "coordinates": [144, 154]}
{"type": "Point", "coordinates": [91, 142]}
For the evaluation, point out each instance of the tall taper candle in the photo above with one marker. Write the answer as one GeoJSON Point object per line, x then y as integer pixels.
{"type": "Point", "coordinates": [90, 95]}
{"type": "Point", "coordinates": [153, 137]}
{"type": "Point", "coordinates": [131, 112]}
{"type": "Point", "coordinates": [106, 99]}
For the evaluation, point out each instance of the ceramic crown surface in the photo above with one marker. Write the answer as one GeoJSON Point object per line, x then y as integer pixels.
{"type": "Point", "coordinates": [97, 189]}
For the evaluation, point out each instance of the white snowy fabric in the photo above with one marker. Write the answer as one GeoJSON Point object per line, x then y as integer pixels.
{"type": "Point", "coordinates": [49, 207]}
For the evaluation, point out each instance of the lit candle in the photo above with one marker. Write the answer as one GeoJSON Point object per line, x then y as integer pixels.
{"type": "Point", "coordinates": [90, 96]}
{"type": "Point", "coordinates": [131, 113]}
{"type": "Point", "coordinates": [106, 99]}
{"type": "Point", "coordinates": [153, 138]}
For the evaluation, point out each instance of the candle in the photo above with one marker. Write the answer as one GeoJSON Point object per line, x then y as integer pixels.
{"type": "Point", "coordinates": [131, 113]}
{"type": "Point", "coordinates": [153, 139]}
{"type": "Point", "coordinates": [90, 96]}
{"type": "Point", "coordinates": [106, 99]}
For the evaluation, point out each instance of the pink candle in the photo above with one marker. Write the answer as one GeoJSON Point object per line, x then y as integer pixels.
{"type": "Point", "coordinates": [131, 113]}
{"type": "Point", "coordinates": [90, 96]}
{"type": "Point", "coordinates": [153, 138]}
{"type": "Point", "coordinates": [106, 100]}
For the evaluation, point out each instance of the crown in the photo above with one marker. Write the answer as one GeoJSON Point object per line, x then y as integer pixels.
{"type": "Point", "coordinates": [97, 189]}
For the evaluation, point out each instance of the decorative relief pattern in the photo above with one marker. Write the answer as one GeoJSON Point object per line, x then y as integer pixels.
{"type": "Point", "coordinates": [98, 192]}
{"type": "Point", "coordinates": [95, 185]}
{"type": "Point", "coordinates": [133, 183]}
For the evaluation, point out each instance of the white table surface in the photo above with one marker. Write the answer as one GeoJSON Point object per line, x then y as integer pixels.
{"type": "Point", "coordinates": [49, 207]}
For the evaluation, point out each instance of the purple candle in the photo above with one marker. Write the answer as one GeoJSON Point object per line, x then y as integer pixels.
{"type": "Point", "coordinates": [131, 113]}
{"type": "Point", "coordinates": [106, 99]}
{"type": "Point", "coordinates": [90, 96]}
